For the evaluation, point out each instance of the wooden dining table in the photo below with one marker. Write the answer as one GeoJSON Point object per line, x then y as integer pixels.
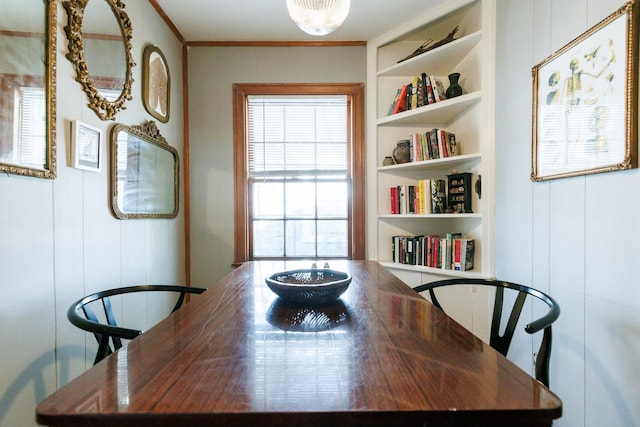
{"type": "Point", "coordinates": [238, 355]}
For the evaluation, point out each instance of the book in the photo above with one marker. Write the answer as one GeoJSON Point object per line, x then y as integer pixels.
{"type": "Point", "coordinates": [401, 104]}
{"type": "Point", "coordinates": [411, 197]}
{"type": "Point", "coordinates": [403, 198]}
{"type": "Point", "coordinates": [414, 93]}
{"type": "Point", "coordinates": [394, 102]}
{"type": "Point", "coordinates": [433, 140]}
{"type": "Point", "coordinates": [463, 254]}
{"type": "Point", "coordinates": [442, 143]}
{"type": "Point", "coordinates": [452, 145]}
{"type": "Point", "coordinates": [438, 196]}
{"type": "Point", "coordinates": [429, 99]}
{"type": "Point", "coordinates": [425, 194]}
{"type": "Point", "coordinates": [421, 97]}
{"type": "Point", "coordinates": [468, 254]}
{"type": "Point", "coordinates": [438, 89]}
{"type": "Point", "coordinates": [393, 195]}
{"type": "Point", "coordinates": [457, 246]}
{"type": "Point", "coordinates": [448, 258]}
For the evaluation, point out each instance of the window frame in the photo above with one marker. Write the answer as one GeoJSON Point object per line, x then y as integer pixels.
{"type": "Point", "coordinates": [356, 168]}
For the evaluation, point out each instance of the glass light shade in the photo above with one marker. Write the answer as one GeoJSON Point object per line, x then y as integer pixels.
{"type": "Point", "coordinates": [318, 17]}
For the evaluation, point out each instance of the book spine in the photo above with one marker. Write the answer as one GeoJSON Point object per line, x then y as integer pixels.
{"type": "Point", "coordinates": [457, 255]}
{"type": "Point", "coordinates": [452, 145]}
{"type": "Point", "coordinates": [393, 195]}
{"type": "Point", "coordinates": [438, 196]}
{"type": "Point", "coordinates": [468, 254]}
{"type": "Point", "coordinates": [433, 137]}
{"type": "Point", "coordinates": [414, 93]}
{"type": "Point", "coordinates": [428, 88]}
{"type": "Point", "coordinates": [442, 143]}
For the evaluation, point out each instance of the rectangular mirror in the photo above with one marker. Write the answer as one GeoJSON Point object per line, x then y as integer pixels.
{"type": "Point", "coordinates": [27, 88]}
{"type": "Point", "coordinates": [144, 171]}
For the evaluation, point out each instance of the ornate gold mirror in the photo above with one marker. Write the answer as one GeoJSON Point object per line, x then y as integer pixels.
{"type": "Point", "coordinates": [28, 88]}
{"type": "Point", "coordinates": [99, 34]}
{"type": "Point", "coordinates": [144, 173]}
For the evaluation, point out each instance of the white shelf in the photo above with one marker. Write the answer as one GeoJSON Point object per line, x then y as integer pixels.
{"type": "Point", "coordinates": [441, 113]}
{"type": "Point", "coordinates": [445, 163]}
{"type": "Point", "coordinates": [431, 216]}
{"type": "Point", "coordinates": [431, 270]}
{"type": "Point", "coordinates": [439, 61]}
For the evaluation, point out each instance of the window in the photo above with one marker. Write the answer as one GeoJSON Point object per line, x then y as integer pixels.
{"type": "Point", "coordinates": [22, 121]}
{"type": "Point", "coordinates": [299, 175]}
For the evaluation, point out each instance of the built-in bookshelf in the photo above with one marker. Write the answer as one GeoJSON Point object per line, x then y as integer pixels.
{"type": "Point", "coordinates": [468, 211]}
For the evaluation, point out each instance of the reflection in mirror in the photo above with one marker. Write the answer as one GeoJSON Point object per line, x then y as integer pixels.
{"type": "Point", "coordinates": [144, 173]}
{"type": "Point", "coordinates": [104, 49]}
{"type": "Point", "coordinates": [99, 34]}
{"type": "Point", "coordinates": [27, 87]}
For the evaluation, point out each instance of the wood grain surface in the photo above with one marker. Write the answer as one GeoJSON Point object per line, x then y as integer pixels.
{"type": "Point", "coordinates": [237, 355]}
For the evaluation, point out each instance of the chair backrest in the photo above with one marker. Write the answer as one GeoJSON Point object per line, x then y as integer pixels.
{"type": "Point", "coordinates": [502, 342]}
{"type": "Point", "coordinates": [82, 315]}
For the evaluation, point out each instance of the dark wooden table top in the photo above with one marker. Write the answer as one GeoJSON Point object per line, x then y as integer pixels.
{"type": "Point", "coordinates": [237, 356]}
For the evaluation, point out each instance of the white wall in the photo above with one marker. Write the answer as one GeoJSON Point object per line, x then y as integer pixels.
{"type": "Point", "coordinates": [574, 237]}
{"type": "Point", "coordinates": [212, 73]}
{"type": "Point", "coordinates": [60, 242]}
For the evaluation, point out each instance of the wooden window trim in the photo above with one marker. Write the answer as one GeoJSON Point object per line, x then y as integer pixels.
{"type": "Point", "coordinates": [355, 91]}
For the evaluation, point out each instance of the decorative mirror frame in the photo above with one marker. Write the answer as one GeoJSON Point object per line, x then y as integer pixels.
{"type": "Point", "coordinates": [50, 40]}
{"type": "Point", "coordinates": [149, 133]}
{"type": "Point", "coordinates": [104, 108]}
{"type": "Point", "coordinates": [150, 83]}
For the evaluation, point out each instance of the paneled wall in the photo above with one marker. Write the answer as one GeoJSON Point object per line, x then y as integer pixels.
{"type": "Point", "coordinates": [60, 242]}
{"type": "Point", "coordinates": [574, 237]}
{"type": "Point", "coordinates": [212, 73]}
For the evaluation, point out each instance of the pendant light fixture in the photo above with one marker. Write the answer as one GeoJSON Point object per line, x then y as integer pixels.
{"type": "Point", "coordinates": [318, 17]}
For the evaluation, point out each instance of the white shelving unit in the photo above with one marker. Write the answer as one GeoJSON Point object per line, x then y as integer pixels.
{"type": "Point", "coordinates": [470, 117]}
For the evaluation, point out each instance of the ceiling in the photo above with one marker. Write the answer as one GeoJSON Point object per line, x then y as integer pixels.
{"type": "Point", "coordinates": [268, 20]}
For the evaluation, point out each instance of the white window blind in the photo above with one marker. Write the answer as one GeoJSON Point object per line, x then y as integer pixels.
{"type": "Point", "coordinates": [297, 135]}
{"type": "Point", "coordinates": [31, 135]}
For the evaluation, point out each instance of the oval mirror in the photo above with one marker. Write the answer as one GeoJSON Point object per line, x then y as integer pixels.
{"type": "Point", "coordinates": [99, 34]}
{"type": "Point", "coordinates": [28, 87]}
{"type": "Point", "coordinates": [144, 173]}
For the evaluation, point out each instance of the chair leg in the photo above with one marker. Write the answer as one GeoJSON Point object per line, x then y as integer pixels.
{"type": "Point", "coordinates": [103, 349]}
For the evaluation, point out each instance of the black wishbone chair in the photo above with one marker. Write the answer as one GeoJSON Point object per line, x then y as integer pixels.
{"type": "Point", "coordinates": [502, 342]}
{"type": "Point", "coordinates": [82, 315]}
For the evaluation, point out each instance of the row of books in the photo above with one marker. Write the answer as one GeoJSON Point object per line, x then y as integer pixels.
{"type": "Point", "coordinates": [429, 196]}
{"type": "Point", "coordinates": [432, 144]}
{"type": "Point", "coordinates": [422, 90]}
{"type": "Point", "coordinates": [450, 252]}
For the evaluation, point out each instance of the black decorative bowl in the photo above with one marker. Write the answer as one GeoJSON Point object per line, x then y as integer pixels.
{"type": "Point", "coordinates": [309, 285]}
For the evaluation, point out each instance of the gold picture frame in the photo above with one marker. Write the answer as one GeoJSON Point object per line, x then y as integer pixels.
{"type": "Point", "coordinates": [86, 146]}
{"type": "Point", "coordinates": [585, 101]}
{"type": "Point", "coordinates": [156, 83]}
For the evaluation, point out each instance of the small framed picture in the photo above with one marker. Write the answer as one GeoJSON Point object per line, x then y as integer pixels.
{"type": "Point", "coordinates": [585, 101]}
{"type": "Point", "coordinates": [86, 142]}
{"type": "Point", "coordinates": [156, 83]}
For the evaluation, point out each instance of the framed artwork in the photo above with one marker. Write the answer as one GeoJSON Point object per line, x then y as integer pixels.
{"type": "Point", "coordinates": [585, 101]}
{"type": "Point", "coordinates": [86, 144]}
{"type": "Point", "coordinates": [156, 83]}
